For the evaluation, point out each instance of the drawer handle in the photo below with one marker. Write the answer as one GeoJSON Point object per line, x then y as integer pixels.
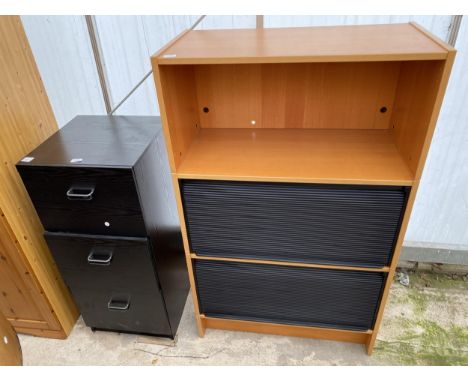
{"type": "Point", "coordinates": [99, 257]}
{"type": "Point", "coordinates": [118, 304]}
{"type": "Point", "coordinates": [80, 193]}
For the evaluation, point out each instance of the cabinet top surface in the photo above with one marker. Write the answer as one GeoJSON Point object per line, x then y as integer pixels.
{"type": "Point", "coordinates": [311, 44]}
{"type": "Point", "coordinates": [98, 141]}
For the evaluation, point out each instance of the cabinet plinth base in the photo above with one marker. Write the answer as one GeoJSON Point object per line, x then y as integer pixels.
{"type": "Point", "coordinates": [287, 330]}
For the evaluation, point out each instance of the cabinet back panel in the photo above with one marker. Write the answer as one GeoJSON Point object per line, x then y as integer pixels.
{"type": "Point", "coordinates": [288, 295]}
{"type": "Point", "coordinates": [293, 222]}
{"type": "Point", "coordinates": [309, 95]}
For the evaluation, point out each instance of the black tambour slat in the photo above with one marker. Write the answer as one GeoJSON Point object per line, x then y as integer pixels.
{"type": "Point", "coordinates": [334, 224]}
{"type": "Point", "coordinates": [289, 295]}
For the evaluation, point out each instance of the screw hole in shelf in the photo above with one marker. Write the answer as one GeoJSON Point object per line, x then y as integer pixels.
{"type": "Point", "coordinates": [383, 109]}
{"type": "Point", "coordinates": [206, 110]}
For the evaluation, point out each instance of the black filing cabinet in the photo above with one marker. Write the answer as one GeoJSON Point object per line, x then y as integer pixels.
{"type": "Point", "coordinates": [102, 188]}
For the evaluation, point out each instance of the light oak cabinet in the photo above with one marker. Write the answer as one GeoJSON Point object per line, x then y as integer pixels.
{"type": "Point", "coordinates": [296, 156]}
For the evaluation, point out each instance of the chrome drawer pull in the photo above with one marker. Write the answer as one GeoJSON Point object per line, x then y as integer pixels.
{"type": "Point", "coordinates": [75, 193]}
{"type": "Point", "coordinates": [118, 304]}
{"type": "Point", "coordinates": [99, 257]}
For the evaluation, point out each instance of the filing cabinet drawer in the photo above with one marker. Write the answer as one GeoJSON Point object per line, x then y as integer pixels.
{"type": "Point", "coordinates": [124, 312]}
{"type": "Point", "coordinates": [104, 263]}
{"type": "Point", "coordinates": [288, 294]}
{"type": "Point", "coordinates": [101, 201]}
{"type": "Point", "coordinates": [310, 223]}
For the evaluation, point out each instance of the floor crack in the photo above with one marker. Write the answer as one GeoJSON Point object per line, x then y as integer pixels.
{"type": "Point", "coordinates": [160, 354]}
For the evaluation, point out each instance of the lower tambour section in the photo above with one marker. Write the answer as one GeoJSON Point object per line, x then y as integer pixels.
{"type": "Point", "coordinates": [288, 294]}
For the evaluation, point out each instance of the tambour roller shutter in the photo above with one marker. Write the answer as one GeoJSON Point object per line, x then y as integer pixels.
{"type": "Point", "coordinates": [288, 294]}
{"type": "Point", "coordinates": [331, 224]}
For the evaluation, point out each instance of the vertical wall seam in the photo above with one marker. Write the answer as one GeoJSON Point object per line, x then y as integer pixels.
{"type": "Point", "coordinates": [259, 21]}
{"type": "Point", "coordinates": [97, 53]}
{"type": "Point", "coordinates": [454, 28]}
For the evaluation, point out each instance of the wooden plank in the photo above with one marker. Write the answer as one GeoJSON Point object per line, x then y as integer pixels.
{"type": "Point", "coordinates": [27, 120]}
{"type": "Point", "coordinates": [304, 95]}
{"type": "Point", "coordinates": [289, 264]}
{"type": "Point", "coordinates": [312, 44]}
{"type": "Point", "coordinates": [20, 298]}
{"type": "Point", "coordinates": [57, 334]}
{"type": "Point", "coordinates": [23, 323]}
{"type": "Point", "coordinates": [296, 155]}
{"type": "Point", "coordinates": [286, 330]}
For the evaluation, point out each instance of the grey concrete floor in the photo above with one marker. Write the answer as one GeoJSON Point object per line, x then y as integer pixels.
{"type": "Point", "coordinates": [424, 324]}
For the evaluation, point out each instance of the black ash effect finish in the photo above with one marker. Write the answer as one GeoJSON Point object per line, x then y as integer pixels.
{"type": "Point", "coordinates": [156, 193]}
{"type": "Point", "coordinates": [100, 141]}
{"type": "Point", "coordinates": [113, 208]}
{"type": "Point", "coordinates": [338, 299]}
{"type": "Point", "coordinates": [103, 191]}
{"type": "Point", "coordinates": [116, 263]}
{"type": "Point", "coordinates": [310, 223]}
{"type": "Point", "coordinates": [100, 310]}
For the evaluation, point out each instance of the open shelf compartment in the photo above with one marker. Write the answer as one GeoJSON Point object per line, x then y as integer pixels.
{"type": "Point", "coordinates": [346, 122]}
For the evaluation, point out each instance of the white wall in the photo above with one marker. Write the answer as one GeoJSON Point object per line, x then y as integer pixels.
{"type": "Point", "coordinates": [127, 43]}
{"type": "Point", "coordinates": [63, 54]}
{"type": "Point", "coordinates": [62, 50]}
{"type": "Point", "coordinates": [438, 25]}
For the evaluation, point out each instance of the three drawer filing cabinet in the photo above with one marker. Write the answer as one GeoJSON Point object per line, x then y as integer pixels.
{"type": "Point", "coordinates": [101, 186]}
{"type": "Point", "coordinates": [296, 156]}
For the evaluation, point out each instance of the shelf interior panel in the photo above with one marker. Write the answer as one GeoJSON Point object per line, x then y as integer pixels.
{"type": "Point", "coordinates": [296, 155]}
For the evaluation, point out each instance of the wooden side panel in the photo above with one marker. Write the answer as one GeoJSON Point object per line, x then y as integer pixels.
{"type": "Point", "coordinates": [414, 103]}
{"type": "Point", "coordinates": [313, 96]}
{"type": "Point", "coordinates": [178, 104]}
{"type": "Point", "coordinates": [431, 106]}
{"type": "Point", "coordinates": [26, 120]}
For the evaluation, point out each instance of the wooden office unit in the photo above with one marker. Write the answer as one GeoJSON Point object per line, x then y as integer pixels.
{"type": "Point", "coordinates": [296, 156]}
{"type": "Point", "coordinates": [33, 296]}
